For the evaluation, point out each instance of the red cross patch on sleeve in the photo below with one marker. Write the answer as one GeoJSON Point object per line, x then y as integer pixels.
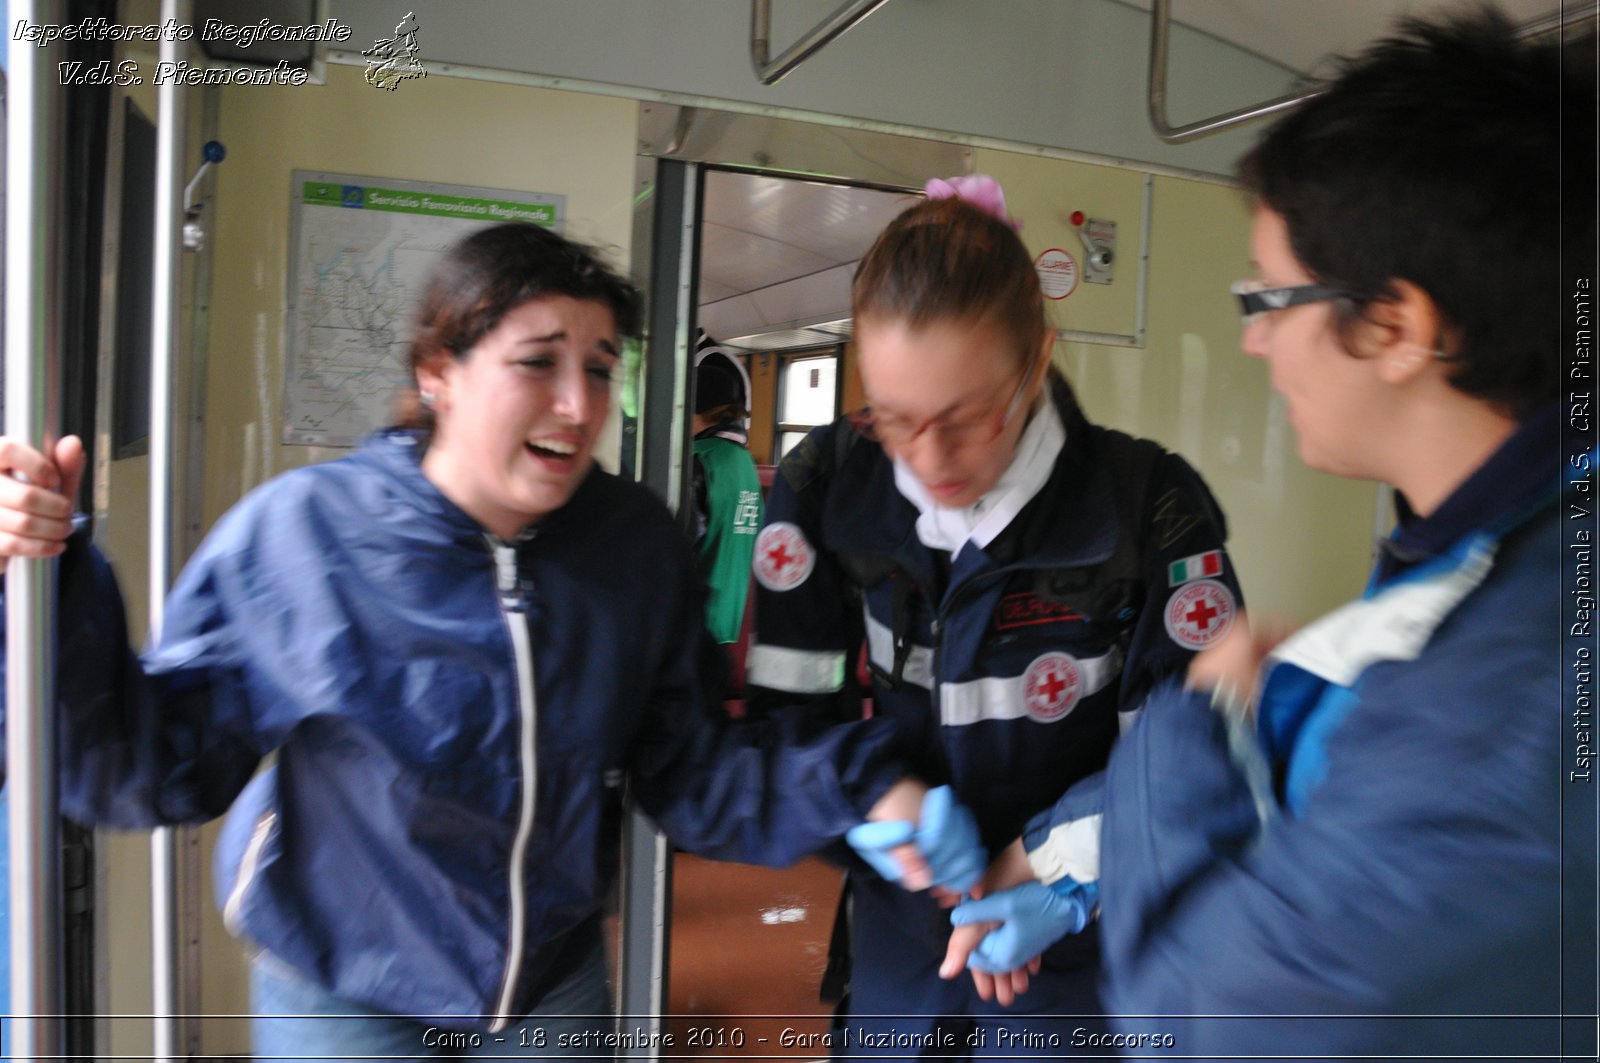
{"type": "Point", "coordinates": [783, 558]}
{"type": "Point", "coordinates": [1200, 613]}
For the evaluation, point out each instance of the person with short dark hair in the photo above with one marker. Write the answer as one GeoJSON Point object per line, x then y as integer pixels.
{"type": "Point", "coordinates": [1350, 844]}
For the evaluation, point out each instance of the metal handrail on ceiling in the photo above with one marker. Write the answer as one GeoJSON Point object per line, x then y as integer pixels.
{"type": "Point", "coordinates": [769, 72]}
{"type": "Point", "coordinates": [1160, 25]}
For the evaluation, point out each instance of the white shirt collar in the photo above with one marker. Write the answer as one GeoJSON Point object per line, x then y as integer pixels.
{"type": "Point", "coordinates": [942, 528]}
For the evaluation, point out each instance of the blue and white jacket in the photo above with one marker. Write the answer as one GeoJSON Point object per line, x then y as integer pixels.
{"type": "Point", "coordinates": [1379, 869]}
{"type": "Point", "coordinates": [453, 718]}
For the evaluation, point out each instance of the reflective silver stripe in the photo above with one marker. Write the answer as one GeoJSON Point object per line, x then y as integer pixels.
{"type": "Point", "coordinates": [505, 556]}
{"type": "Point", "coordinates": [247, 872]}
{"type": "Point", "coordinates": [1071, 849]}
{"type": "Point", "coordinates": [880, 645]}
{"type": "Point", "coordinates": [795, 671]}
{"type": "Point", "coordinates": [994, 698]}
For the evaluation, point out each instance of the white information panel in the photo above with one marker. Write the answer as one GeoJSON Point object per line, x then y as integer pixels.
{"type": "Point", "coordinates": [360, 251]}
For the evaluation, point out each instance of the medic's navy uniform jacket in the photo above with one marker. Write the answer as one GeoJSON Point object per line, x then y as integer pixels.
{"type": "Point", "coordinates": [1004, 670]}
{"type": "Point", "coordinates": [453, 717]}
{"type": "Point", "coordinates": [1389, 840]}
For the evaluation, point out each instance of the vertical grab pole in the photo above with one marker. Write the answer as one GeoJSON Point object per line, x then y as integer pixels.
{"type": "Point", "coordinates": [171, 125]}
{"type": "Point", "coordinates": [32, 338]}
{"type": "Point", "coordinates": [642, 989]}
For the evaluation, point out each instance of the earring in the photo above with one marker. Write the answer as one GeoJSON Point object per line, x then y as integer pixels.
{"type": "Point", "coordinates": [427, 398]}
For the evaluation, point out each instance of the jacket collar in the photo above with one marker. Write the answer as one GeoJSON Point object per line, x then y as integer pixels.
{"type": "Point", "coordinates": [1515, 480]}
{"type": "Point", "coordinates": [397, 453]}
{"type": "Point", "coordinates": [732, 431]}
{"type": "Point", "coordinates": [944, 528]}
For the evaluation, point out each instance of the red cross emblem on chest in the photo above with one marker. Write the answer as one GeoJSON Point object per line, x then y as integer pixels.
{"type": "Point", "coordinates": [1051, 686]}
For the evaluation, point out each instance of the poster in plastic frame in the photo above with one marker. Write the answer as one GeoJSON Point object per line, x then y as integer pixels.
{"type": "Point", "coordinates": [361, 249]}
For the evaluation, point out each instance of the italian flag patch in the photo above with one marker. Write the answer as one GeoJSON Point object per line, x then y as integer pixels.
{"type": "Point", "coordinates": [1196, 567]}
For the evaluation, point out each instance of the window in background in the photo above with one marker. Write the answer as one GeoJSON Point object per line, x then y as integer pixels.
{"type": "Point", "coordinates": [808, 396]}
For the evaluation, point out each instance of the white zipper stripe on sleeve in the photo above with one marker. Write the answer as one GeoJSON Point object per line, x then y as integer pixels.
{"type": "Point", "coordinates": [247, 872]}
{"type": "Point", "coordinates": [1071, 849]}
{"type": "Point", "coordinates": [1393, 625]}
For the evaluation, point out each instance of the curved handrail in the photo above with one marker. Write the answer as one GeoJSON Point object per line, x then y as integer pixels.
{"type": "Point", "coordinates": [1160, 23]}
{"type": "Point", "coordinates": [769, 72]}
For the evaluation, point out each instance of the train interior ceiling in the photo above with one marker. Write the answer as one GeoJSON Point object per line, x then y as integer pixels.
{"type": "Point", "coordinates": [741, 208]}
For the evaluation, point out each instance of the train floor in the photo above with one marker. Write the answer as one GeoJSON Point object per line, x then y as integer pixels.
{"type": "Point", "coordinates": [748, 949]}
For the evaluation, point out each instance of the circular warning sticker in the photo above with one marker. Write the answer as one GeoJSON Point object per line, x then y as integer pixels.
{"type": "Point", "coordinates": [1051, 686]}
{"type": "Point", "coordinates": [783, 558]}
{"type": "Point", "coordinates": [1200, 613]}
{"type": "Point", "coordinates": [1058, 273]}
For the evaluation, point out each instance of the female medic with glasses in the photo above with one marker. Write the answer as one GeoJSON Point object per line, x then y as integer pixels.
{"type": "Point", "coordinates": [1019, 578]}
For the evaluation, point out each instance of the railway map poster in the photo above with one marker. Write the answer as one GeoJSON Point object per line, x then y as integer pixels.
{"type": "Point", "coordinates": [360, 250]}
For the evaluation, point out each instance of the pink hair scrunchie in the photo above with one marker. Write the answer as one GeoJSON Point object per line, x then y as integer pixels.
{"type": "Point", "coordinates": [979, 189]}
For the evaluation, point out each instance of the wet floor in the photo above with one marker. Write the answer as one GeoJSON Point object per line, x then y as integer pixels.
{"type": "Point", "coordinates": [748, 950]}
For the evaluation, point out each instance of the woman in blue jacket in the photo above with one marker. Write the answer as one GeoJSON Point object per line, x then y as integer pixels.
{"type": "Point", "coordinates": [1393, 853]}
{"type": "Point", "coordinates": [458, 641]}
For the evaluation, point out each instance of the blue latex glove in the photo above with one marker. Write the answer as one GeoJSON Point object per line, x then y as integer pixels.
{"type": "Point", "coordinates": [872, 842]}
{"type": "Point", "coordinates": [946, 835]}
{"type": "Point", "coordinates": [1033, 917]}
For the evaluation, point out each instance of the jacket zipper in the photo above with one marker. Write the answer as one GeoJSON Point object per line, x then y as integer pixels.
{"type": "Point", "coordinates": [513, 611]}
{"type": "Point", "coordinates": [247, 871]}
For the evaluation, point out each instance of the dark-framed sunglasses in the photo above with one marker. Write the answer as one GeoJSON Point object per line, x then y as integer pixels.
{"type": "Point", "coordinates": [1256, 297]}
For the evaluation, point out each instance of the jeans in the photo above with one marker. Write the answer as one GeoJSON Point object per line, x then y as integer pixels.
{"type": "Point", "coordinates": [297, 1019]}
{"type": "Point", "coordinates": [5, 921]}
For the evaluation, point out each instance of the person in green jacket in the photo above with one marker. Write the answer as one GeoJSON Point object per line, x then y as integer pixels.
{"type": "Point", "coordinates": [727, 490]}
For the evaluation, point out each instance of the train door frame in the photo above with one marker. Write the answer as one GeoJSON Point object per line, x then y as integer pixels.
{"type": "Point", "coordinates": [663, 441]}
{"type": "Point", "coordinates": [668, 264]}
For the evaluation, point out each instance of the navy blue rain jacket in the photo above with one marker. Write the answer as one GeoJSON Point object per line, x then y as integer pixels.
{"type": "Point", "coordinates": [1378, 868]}
{"type": "Point", "coordinates": [430, 840]}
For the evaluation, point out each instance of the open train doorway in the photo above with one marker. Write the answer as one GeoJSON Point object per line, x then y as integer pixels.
{"type": "Point", "coordinates": [753, 960]}
{"type": "Point", "coordinates": [776, 257]}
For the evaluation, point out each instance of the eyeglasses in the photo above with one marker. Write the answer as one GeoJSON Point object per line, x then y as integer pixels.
{"type": "Point", "coordinates": [1256, 297]}
{"type": "Point", "coordinates": [972, 430]}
